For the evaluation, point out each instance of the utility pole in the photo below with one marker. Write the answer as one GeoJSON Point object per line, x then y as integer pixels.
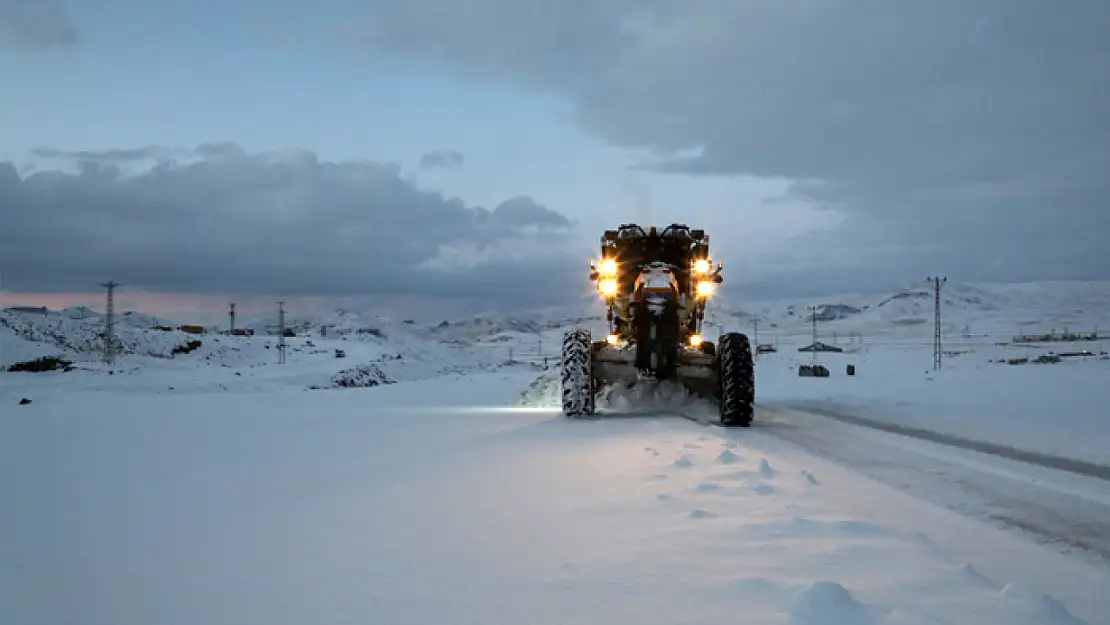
{"type": "Point", "coordinates": [937, 282]}
{"type": "Point", "coordinates": [281, 332]}
{"type": "Point", "coordinates": [755, 332]}
{"type": "Point", "coordinates": [231, 315]}
{"type": "Point", "coordinates": [813, 319]}
{"type": "Point", "coordinates": [110, 322]}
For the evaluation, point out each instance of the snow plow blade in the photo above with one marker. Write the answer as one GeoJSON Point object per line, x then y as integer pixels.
{"type": "Point", "coordinates": [695, 371]}
{"type": "Point", "coordinates": [724, 376]}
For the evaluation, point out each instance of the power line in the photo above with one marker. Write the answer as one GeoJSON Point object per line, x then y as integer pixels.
{"type": "Point", "coordinates": [110, 322]}
{"type": "Point", "coordinates": [937, 348]}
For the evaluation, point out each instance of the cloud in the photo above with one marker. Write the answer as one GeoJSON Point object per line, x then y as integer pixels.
{"type": "Point", "coordinates": [447, 159]}
{"type": "Point", "coordinates": [963, 135]}
{"type": "Point", "coordinates": [118, 156]}
{"type": "Point", "coordinates": [275, 223]}
{"type": "Point", "coordinates": [32, 24]}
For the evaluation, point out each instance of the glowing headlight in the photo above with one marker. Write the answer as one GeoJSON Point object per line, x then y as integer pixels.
{"type": "Point", "coordinates": [612, 339]}
{"type": "Point", "coordinates": [705, 288]}
{"type": "Point", "coordinates": [695, 340]}
{"type": "Point", "coordinates": [701, 265]}
{"type": "Point", "coordinates": [608, 287]}
{"type": "Point", "coordinates": [608, 267]}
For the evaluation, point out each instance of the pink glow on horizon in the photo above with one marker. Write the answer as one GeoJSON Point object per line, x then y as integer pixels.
{"type": "Point", "coordinates": [211, 309]}
{"type": "Point", "coordinates": [179, 307]}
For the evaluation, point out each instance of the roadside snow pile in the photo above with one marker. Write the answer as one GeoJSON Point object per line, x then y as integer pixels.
{"type": "Point", "coordinates": [544, 392]}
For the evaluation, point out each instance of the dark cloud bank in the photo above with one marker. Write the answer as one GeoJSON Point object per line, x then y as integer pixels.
{"type": "Point", "coordinates": [35, 24]}
{"type": "Point", "coordinates": [960, 136]}
{"type": "Point", "coordinates": [964, 137]}
{"type": "Point", "coordinates": [231, 222]}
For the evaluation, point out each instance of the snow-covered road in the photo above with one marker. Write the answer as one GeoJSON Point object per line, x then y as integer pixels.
{"type": "Point", "coordinates": [439, 502]}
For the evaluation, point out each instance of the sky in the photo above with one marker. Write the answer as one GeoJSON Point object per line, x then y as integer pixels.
{"type": "Point", "coordinates": [440, 156]}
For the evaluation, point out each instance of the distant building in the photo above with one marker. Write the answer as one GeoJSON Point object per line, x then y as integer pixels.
{"type": "Point", "coordinates": [820, 347]}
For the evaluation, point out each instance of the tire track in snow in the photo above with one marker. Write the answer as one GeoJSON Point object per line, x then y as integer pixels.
{"type": "Point", "coordinates": [1068, 510]}
{"type": "Point", "coordinates": [1059, 463]}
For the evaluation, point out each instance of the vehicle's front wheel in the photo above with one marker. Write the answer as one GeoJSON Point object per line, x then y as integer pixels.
{"type": "Point", "coordinates": [577, 373]}
{"type": "Point", "coordinates": [736, 368]}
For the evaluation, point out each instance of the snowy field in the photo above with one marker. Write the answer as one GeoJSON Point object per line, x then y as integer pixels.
{"type": "Point", "coordinates": [437, 502]}
{"type": "Point", "coordinates": [218, 486]}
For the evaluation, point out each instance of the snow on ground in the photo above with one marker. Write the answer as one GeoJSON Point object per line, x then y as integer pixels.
{"type": "Point", "coordinates": [212, 486]}
{"type": "Point", "coordinates": [438, 501]}
{"type": "Point", "coordinates": [1058, 409]}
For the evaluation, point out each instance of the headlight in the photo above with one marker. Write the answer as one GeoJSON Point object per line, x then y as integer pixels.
{"type": "Point", "coordinates": [612, 339]}
{"type": "Point", "coordinates": [705, 288]}
{"type": "Point", "coordinates": [608, 287]}
{"type": "Point", "coordinates": [608, 267]}
{"type": "Point", "coordinates": [701, 265]}
{"type": "Point", "coordinates": [695, 340]}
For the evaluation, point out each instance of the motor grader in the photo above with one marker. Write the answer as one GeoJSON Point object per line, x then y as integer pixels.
{"type": "Point", "coordinates": [656, 285]}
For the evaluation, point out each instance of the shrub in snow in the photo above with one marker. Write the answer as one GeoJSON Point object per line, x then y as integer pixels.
{"type": "Point", "coordinates": [362, 376]}
{"type": "Point", "coordinates": [186, 348]}
{"type": "Point", "coordinates": [38, 365]}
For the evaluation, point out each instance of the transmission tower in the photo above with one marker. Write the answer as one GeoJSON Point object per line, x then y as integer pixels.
{"type": "Point", "coordinates": [281, 332]}
{"type": "Point", "coordinates": [231, 316]}
{"type": "Point", "coordinates": [937, 282]}
{"type": "Point", "coordinates": [813, 319]}
{"type": "Point", "coordinates": [110, 322]}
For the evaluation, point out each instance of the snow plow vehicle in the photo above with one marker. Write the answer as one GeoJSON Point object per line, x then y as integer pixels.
{"type": "Point", "coordinates": [656, 286]}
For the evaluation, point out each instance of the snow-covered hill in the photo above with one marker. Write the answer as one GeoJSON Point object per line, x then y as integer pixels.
{"type": "Point", "coordinates": [994, 312]}
{"type": "Point", "coordinates": [341, 348]}
{"type": "Point", "coordinates": [973, 314]}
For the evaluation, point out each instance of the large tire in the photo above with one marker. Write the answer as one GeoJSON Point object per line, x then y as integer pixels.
{"type": "Point", "coordinates": [577, 373]}
{"type": "Point", "coordinates": [736, 368]}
